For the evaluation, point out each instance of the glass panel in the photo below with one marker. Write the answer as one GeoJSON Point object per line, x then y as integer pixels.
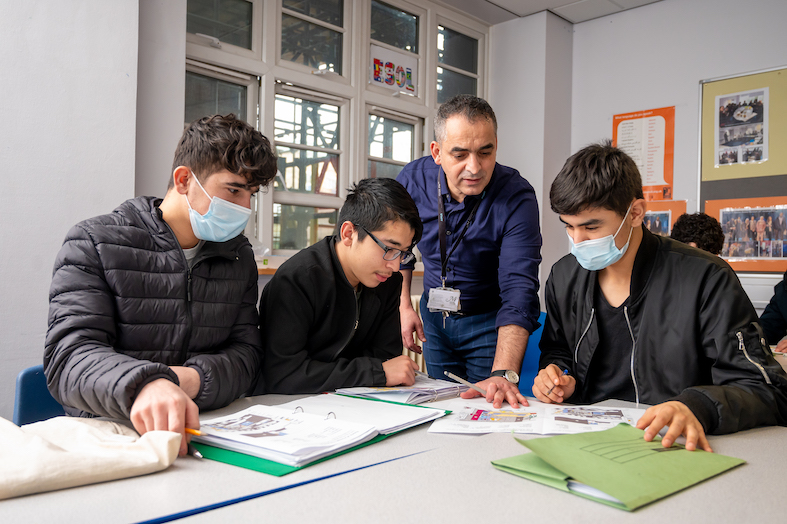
{"type": "Point", "coordinates": [390, 139]}
{"type": "Point", "coordinates": [299, 121]}
{"type": "Point", "coordinates": [227, 20]}
{"type": "Point", "coordinates": [330, 11]}
{"type": "Point", "coordinates": [307, 171]}
{"type": "Point", "coordinates": [309, 44]}
{"type": "Point", "coordinates": [457, 50]}
{"type": "Point", "coordinates": [378, 169]}
{"type": "Point", "coordinates": [207, 96]}
{"type": "Point", "coordinates": [394, 27]}
{"type": "Point", "coordinates": [450, 83]}
{"type": "Point", "coordinates": [297, 227]}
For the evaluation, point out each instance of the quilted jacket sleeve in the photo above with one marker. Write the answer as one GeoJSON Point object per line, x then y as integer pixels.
{"type": "Point", "coordinates": [83, 369]}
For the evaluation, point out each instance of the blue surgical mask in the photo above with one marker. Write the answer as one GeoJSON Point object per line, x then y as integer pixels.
{"type": "Point", "coordinates": [223, 221]}
{"type": "Point", "coordinates": [598, 253]}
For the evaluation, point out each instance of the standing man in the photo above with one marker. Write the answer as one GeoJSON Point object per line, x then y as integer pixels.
{"type": "Point", "coordinates": [481, 249]}
{"type": "Point", "coordinates": [152, 308]}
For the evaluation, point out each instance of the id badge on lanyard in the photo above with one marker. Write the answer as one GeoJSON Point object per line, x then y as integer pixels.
{"type": "Point", "coordinates": [446, 299]}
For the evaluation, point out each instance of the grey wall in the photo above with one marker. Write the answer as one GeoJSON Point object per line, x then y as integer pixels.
{"type": "Point", "coordinates": [68, 89]}
{"type": "Point", "coordinates": [530, 90]}
{"type": "Point", "coordinates": [161, 92]}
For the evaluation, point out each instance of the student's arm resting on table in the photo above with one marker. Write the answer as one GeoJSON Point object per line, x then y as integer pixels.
{"type": "Point", "coordinates": [680, 420]}
{"type": "Point", "coordinates": [410, 320]}
{"type": "Point", "coordinates": [555, 355]}
{"type": "Point", "coordinates": [228, 372]}
{"type": "Point", "coordinates": [749, 388]}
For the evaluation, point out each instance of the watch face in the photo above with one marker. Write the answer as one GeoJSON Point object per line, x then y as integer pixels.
{"type": "Point", "coordinates": [512, 377]}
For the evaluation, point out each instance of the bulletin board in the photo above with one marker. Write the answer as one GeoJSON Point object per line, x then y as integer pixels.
{"type": "Point", "coordinates": [743, 129]}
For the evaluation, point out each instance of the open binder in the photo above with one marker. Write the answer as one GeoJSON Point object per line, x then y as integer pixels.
{"type": "Point", "coordinates": [281, 439]}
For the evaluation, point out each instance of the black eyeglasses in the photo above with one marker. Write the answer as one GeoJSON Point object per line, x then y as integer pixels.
{"type": "Point", "coordinates": [392, 253]}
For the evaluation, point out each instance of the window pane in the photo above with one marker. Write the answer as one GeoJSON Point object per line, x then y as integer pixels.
{"type": "Point", "coordinates": [450, 83]}
{"type": "Point", "coordinates": [307, 171]}
{"type": "Point", "coordinates": [383, 170]}
{"type": "Point", "coordinates": [299, 121]}
{"type": "Point", "coordinates": [309, 44]}
{"type": "Point", "coordinates": [325, 10]}
{"type": "Point", "coordinates": [227, 20]}
{"type": "Point", "coordinates": [207, 96]}
{"type": "Point", "coordinates": [390, 139]}
{"type": "Point", "coordinates": [394, 27]}
{"type": "Point", "coordinates": [457, 50]}
{"type": "Point", "coordinates": [297, 227]}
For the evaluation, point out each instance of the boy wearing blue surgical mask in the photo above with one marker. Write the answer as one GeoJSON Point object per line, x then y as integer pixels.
{"type": "Point", "coordinates": [152, 312]}
{"type": "Point", "coordinates": [639, 317]}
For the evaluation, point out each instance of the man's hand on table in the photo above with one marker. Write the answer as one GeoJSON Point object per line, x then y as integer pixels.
{"type": "Point", "coordinates": [163, 405]}
{"type": "Point", "coordinates": [498, 390]}
{"type": "Point", "coordinates": [681, 421]}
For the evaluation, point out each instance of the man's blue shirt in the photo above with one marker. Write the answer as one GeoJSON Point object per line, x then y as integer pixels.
{"type": "Point", "coordinates": [495, 265]}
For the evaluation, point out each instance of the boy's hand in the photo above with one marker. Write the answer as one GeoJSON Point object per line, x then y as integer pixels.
{"type": "Point", "coordinates": [681, 421]}
{"type": "Point", "coordinates": [163, 405]}
{"type": "Point", "coordinates": [551, 385]}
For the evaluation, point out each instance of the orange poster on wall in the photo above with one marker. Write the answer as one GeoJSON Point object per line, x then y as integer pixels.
{"type": "Point", "coordinates": [648, 137]}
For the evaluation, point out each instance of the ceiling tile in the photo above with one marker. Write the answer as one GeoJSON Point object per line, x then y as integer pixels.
{"type": "Point", "coordinates": [586, 10]}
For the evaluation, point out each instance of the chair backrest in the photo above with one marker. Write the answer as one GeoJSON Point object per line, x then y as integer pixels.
{"type": "Point", "coordinates": [33, 401]}
{"type": "Point", "coordinates": [532, 355]}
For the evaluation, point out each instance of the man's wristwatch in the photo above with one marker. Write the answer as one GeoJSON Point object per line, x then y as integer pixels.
{"type": "Point", "coordinates": [508, 374]}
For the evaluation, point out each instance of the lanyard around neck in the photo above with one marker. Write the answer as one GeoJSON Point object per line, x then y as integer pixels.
{"type": "Point", "coordinates": [442, 230]}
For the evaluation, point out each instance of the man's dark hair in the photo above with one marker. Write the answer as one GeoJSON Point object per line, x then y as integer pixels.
{"type": "Point", "coordinates": [217, 142]}
{"type": "Point", "coordinates": [702, 229]}
{"type": "Point", "coordinates": [469, 106]}
{"type": "Point", "coordinates": [374, 201]}
{"type": "Point", "coordinates": [599, 175]}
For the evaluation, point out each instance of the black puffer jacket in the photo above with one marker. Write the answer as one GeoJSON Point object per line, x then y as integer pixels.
{"type": "Point", "coordinates": [123, 306]}
{"type": "Point", "coordinates": [695, 336]}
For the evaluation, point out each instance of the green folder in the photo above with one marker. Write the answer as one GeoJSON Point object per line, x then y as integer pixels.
{"type": "Point", "coordinates": [264, 465]}
{"type": "Point", "coordinates": [619, 467]}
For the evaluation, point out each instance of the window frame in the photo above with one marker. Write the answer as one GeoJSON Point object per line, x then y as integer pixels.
{"type": "Point", "coordinates": [480, 75]}
{"type": "Point", "coordinates": [230, 50]}
{"type": "Point", "coordinates": [416, 122]}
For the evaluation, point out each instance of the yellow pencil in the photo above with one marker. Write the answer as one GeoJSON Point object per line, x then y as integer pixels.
{"type": "Point", "coordinates": [193, 432]}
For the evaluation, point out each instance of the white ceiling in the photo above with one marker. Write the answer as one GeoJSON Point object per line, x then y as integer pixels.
{"type": "Point", "coordinates": [497, 11]}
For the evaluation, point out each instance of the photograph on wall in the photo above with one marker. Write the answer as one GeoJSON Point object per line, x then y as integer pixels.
{"type": "Point", "coordinates": [754, 232]}
{"type": "Point", "coordinates": [742, 127]}
{"type": "Point", "coordinates": [659, 222]}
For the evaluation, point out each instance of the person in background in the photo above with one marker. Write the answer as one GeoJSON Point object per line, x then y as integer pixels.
{"type": "Point", "coordinates": [774, 318]}
{"type": "Point", "coordinates": [152, 308]}
{"type": "Point", "coordinates": [699, 230]}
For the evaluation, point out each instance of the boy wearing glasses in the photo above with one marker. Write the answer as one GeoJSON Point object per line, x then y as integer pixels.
{"type": "Point", "coordinates": [331, 312]}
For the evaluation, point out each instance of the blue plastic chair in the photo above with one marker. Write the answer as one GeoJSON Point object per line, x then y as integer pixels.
{"type": "Point", "coordinates": [33, 401]}
{"type": "Point", "coordinates": [532, 354]}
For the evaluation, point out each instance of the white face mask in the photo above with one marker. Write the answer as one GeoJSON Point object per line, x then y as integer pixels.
{"type": "Point", "coordinates": [598, 253]}
{"type": "Point", "coordinates": [223, 221]}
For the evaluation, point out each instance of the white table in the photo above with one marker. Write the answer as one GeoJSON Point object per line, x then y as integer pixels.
{"type": "Point", "coordinates": [452, 480]}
